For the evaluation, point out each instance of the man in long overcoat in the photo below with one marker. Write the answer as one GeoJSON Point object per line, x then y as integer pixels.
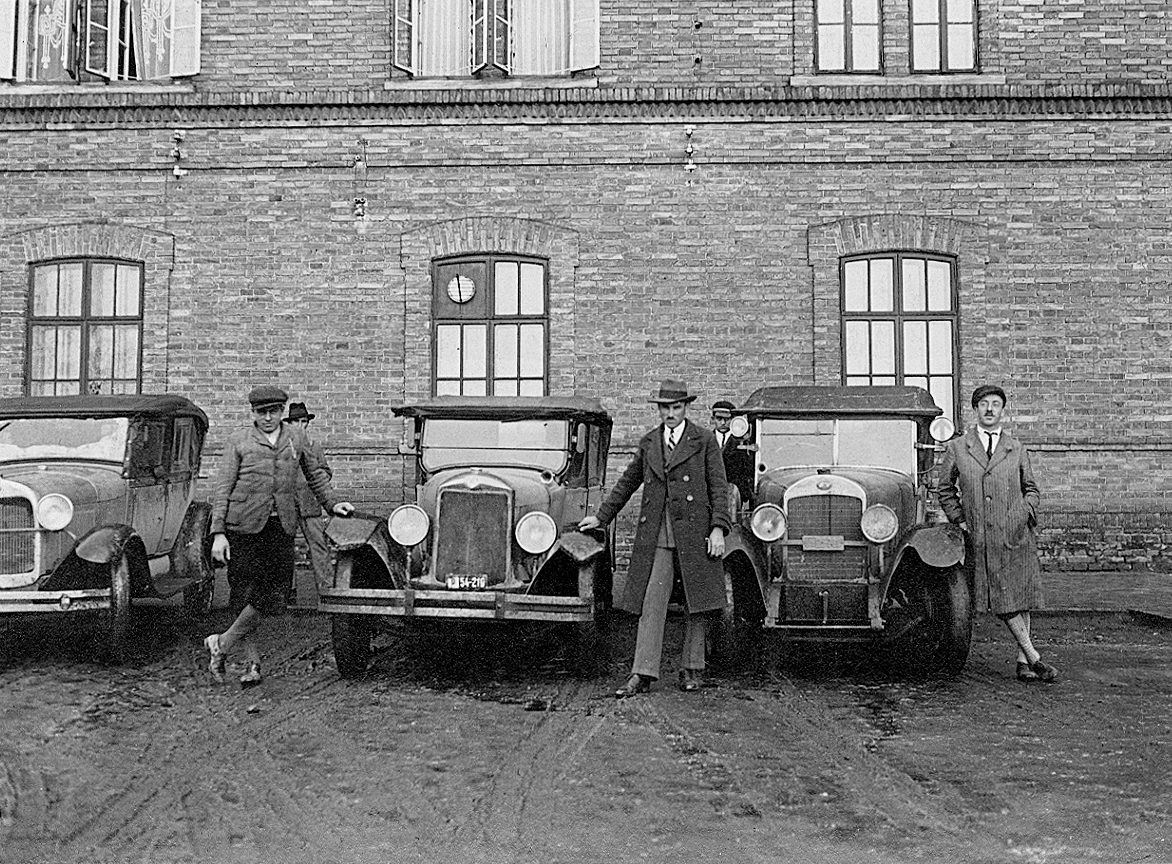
{"type": "Point", "coordinates": [987, 485]}
{"type": "Point", "coordinates": [683, 519]}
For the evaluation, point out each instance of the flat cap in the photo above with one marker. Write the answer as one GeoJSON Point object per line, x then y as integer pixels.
{"type": "Point", "coordinates": [723, 408]}
{"type": "Point", "coordinates": [988, 390]}
{"type": "Point", "coordinates": [267, 394]}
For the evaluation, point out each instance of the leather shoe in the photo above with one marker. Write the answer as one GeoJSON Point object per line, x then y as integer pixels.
{"type": "Point", "coordinates": [691, 680]}
{"type": "Point", "coordinates": [635, 684]}
{"type": "Point", "coordinates": [1044, 671]}
{"type": "Point", "coordinates": [1025, 673]}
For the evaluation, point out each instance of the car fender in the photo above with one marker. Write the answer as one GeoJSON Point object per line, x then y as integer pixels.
{"type": "Point", "coordinates": [366, 537]}
{"type": "Point", "coordinates": [104, 544]}
{"type": "Point", "coordinates": [937, 546]}
{"type": "Point", "coordinates": [740, 541]}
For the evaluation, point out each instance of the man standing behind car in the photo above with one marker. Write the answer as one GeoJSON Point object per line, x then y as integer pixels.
{"type": "Point", "coordinates": [308, 507]}
{"type": "Point", "coordinates": [254, 517]}
{"type": "Point", "coordinates": [738, 464]}
{"type": "Point", "coordinates": [683, 518]}
{"type": "Point", "coordinates": [987, 486]}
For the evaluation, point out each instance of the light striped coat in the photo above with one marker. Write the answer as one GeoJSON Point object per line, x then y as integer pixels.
{"type": "Point", "coordinates": [997, 499]}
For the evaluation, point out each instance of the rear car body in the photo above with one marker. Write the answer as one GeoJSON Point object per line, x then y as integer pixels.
{"type": "Point", "coordinates": [501, 484]}
{"type": "Point", "coordinates": [97, 506]}
{"type": "Point", "coordinates": [838, 541]}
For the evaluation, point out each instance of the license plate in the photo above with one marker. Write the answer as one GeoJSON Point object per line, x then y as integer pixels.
{"type": "Point", "coordinates": [467, 581]}
{"type": "Point", "coordinates": [822, 543]}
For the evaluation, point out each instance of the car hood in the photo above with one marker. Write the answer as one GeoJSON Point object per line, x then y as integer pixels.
{"type": "Point", "coordinates": [882, 486]}
{"type": "Point", "coordinates": [532, 489]}
{"type": "Point", "coordinates": [84, 483]}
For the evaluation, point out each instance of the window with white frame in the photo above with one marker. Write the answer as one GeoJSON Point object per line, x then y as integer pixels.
{"type": "Point", "coordinates": [458, 38]}
{"type": "Point", "coordinates": [899, 324]}
{"type": "Point", "coordinates": [491, 326]}
{"type": "Point", "coordinates": [849, 36]}
{"type": "Point", "coordinates": [944, 35]}
{"type": "Point", "coordinates": [54, 41]}
{"type": "Point", "coordinates": [85, 327]}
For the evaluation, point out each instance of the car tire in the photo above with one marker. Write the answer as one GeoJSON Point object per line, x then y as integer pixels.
{"type": "Point", "coordinates": [591, 639]}
{"type": "Point", "coordinates": [954, 627]}
{"type": "Point", "coordinates": [352, 645]}
{"type": "Point", "coordinates": [193, 559]}
{"type": "Point", "coordinates": [736, 633]}
{"type": "Point", "coordinates": [117, 627]}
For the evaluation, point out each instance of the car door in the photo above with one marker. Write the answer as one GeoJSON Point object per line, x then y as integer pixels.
{"type": "Point", "coordinates": [147, 468]}
{"type": "Point", "coordinates": [180, 479]}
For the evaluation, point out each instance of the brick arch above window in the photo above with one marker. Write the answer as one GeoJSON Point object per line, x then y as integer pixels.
{"type": "Point", "coordinates": [830, 242]}
{"type": "Point", "coordinates": [419, 248]}
{"type": "Point", "coordinates": [20, 250]}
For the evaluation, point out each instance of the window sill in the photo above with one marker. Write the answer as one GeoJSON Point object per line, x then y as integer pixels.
{"type": "Point", "coordinates": [14, 88]}
{"type": "Point", "coordinates": [519, 83]}
{"type": "Point", "coordinates": [894, 80]}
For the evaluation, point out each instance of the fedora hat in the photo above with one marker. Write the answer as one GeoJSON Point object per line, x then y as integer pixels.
{"type": "Point", "coordinates": [671, 391]}
{"type": "Point", "coordinates": [297, 411]}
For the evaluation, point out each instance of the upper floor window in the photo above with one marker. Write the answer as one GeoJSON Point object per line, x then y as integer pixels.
{"type": "Point", "coordinates": [51, 41]}
{"type": "Point", "coordinates": [85, 328]}
{"type": "Point", "coordinates": [944, 36]}
{"type": "Point", "coordinates": [501, 37]}
{"type": "Point", "coordinates": [899, 324]}
{"type": "Point", "coordinates": [848, 35]}
{"type": "Point", "coordinates": [491, 326]}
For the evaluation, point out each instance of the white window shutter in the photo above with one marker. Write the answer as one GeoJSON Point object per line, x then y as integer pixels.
{"type": "Point", "coordinates": [7, 39]}
{"type": "Point", "coordinates": [584, 35]}
{"type": "Point", "coordinates": [406, 18]}
{"type": "Point", "coordinates": [99, 38]}
{"type": "Point", "coordinates": [185, 36]}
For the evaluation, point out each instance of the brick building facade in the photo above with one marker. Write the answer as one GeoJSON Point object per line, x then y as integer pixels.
{"type": "Point", "coordinates": [693, 186]}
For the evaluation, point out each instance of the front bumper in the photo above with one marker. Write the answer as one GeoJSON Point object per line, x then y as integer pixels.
{"type": "Point", "coordinates": [411, 602]}
{"type": "Point", "coordinates": [81, 600]}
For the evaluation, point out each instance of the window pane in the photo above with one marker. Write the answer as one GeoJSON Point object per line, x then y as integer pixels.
{"type": "Point", "coordinates": [476, 388]}
{"type": "Point", "coordinates": [505, 351]}
{"type": "Point", "coordinates": [102, 290]}
{"type": "Point", "coordinates": [831, 12]}
{"type": "Point", "coordinates": [68, 353]}
{"type": "Point", "coordinates": [940, 342]}
{"type": "Point", "coordinates": [865, 11]}
{"type": "Point", "coordinates": [447, 351]}
{"type": "Point", "coordinates": [882, 288]}
{"type": "Point", "coordinates": [914, 287]}
{"type": "Point", "coordinates": [532, 289]}
{"type": "Point", "coordinates": [447, 388]}
{"type": "Point", "coordinates": [506, 287]}
{"type": "Point", "coordinates": [960, 47]}
{"type": "Point", "coordinates": [858, 348]}
{"type": "Point", "coordinates": [126, 352]}
{"type": "Point", "coordinates": [43, 361]}
{"type": "Point", "coordinates": [533, 350]}
{"type": "Point", "coordinates": [915, 347]}
{"type": "Point", "coordinates": [855, 277]}
{"type": "Point", "coordinates": [858, 382]}
{"type": "Point", "coordinates": [926, 47]}
{"type": "Point", "coordinates": [67, 388]}
{"type": "Point", "coordinates": [915, 381]}
{"type": "Point", "coordinates": [883, 348]}
{"type": "Point", "coordinates": [939, 286]}
{"type": "Point", "coordinates": [941, 390]}
{"type": "Point", "coordinates": [45, 290]}
{"type": "Point", "coordinates": [128, 290]}
{"type": "Point", "coordinates": [865, 49]}
{"type": "Point", "coordinates": [831, 54]}
{"type": "Point", "coordinates": [475, 352]}
{"type": "Point", "coordinates": [504, 387]}
{"type": "Point", "coordinates": [925, 11]}
{"type": "Point", "coordinates": [960, 11]}
{"type": "Point", "coordinates": [532, 388]}
{"type": "Point", "coordinates": [101, 359]}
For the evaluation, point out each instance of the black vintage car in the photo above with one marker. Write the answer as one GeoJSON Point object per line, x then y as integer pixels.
{"type": "Point", "coordinates": [98, 509]}
{"type": "Point", "coordinates": [501, 484]}
{"type": "Point", "coordinates": [837, 542]}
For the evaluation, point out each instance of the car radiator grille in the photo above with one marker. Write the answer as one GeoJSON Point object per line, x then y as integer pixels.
{"type": "Point", "coordinates": [825, 515]}
{"type": "Point", "coordinates": [18, 539]}
{"type": "Point", "coordinates": [472, 535]}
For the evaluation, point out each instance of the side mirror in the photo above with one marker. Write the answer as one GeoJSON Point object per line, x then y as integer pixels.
{"type": "Point", "coordinates": [409, 441]}
{"type": "Point", "coordinates": [580, 436]}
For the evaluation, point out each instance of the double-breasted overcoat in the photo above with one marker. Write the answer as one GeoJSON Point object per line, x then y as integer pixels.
{"type": "Point", "coordinates": [997, 499]}
{"type": "Point", "coordinates": [692, 489]}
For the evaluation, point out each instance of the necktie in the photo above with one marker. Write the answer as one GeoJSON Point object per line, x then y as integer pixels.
{"type": "Point", "coordinates": [671, 441]}
{"type": "Point", "coordinates": [989, 449]}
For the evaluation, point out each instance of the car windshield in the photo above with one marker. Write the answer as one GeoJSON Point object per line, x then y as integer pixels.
{"type": "Point", "coordinates": [529, 443]}
{"type": "Point", "coordinates": [880, 443]}
{"type": "Point", "coordinates": [103, 440]}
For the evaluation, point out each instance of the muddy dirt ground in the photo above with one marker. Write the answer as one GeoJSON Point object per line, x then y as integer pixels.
{"type": "Point", "coordinates": [483, 747]}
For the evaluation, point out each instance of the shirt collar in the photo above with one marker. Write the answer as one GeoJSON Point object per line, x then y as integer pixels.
{"type": "Point", "coordinates": [677, 434]}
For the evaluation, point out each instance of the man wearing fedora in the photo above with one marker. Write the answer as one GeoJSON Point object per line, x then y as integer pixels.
{"type": "Point", "coordinates": [683, 519]}
{"type": "Point", "coordinates": [738, 464]}
{"type": "Point", "coordinates": [254, 517]}
{"type": "Point", "coordinates": [308, 507]}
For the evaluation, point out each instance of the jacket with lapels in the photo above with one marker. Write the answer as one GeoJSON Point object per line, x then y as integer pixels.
{"type": "Point", "coordinates": [690, 487]}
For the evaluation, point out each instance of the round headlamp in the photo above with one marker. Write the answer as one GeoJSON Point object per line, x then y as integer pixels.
{"type": "Point", "coordinates": [408, 525]}
{"type": "Point", "coordinates": [739, 426]}
{"type": "Point", "coordinates": [767, 522]}
{"type": "Point", "coordinates": [879, 523]}
{"type": "Point", "coordinates": [536, 532]}
{"type": "Point", "coordinates": [54, 512]}
{"type": "Point", "coordinates": [941, 429]}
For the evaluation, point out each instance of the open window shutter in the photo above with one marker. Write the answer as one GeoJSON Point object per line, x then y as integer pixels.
{"type": "Point", "coordinates": [584, 35]}
{"type": "Point", "coordinates": [99, 37]}
{"type": "Point", "coordinates": [185, 36]}
{"type": "Point", "coordinates": [502, 35]}
{"type": "Point", "coordinates": [481, 31]}
{"type": "Point", "coordinates": [8, 39]}
{"type": "Point", "coordinates": [406, 16]}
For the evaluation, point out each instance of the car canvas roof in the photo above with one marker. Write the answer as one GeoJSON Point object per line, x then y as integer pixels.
{"type": "Point", "coordinates": [841, 401]}
{"type": "Point", "coordinates": [149, 405]}
{"type": "Point", "coordinates": [508, 408]}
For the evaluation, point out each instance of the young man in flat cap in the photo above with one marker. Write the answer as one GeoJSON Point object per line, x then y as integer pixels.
{"type": "Point", "coordinates": [308, 507]}
{"type": "Point", "coordinates": [682, 522]}
{"type": "Point", "coordinates": [738, 463]}
{"type": "Point", "coordinates": [987, 486]}
{"type": "Point", "coordinates": [254, 517]}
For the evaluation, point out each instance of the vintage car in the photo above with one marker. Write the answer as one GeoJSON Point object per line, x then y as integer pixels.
{"type": "Point", "coordinates": [841, 540]}
{"type": "Point", "coordinates": [97, 509]}
{"type": "Point", "coordinates": [501, 484]}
